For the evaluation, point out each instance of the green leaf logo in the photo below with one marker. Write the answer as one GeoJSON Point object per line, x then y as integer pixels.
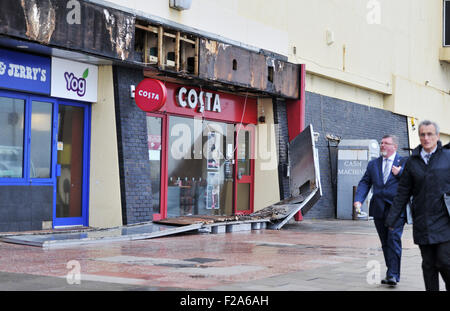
{"type": "Point", "coordinates": [86, 73]}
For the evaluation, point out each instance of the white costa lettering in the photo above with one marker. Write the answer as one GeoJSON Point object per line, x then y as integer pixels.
{"type": "Point", "coordinates": [203, 101]}
{"type": "Point", "coordinates": [149, 95]}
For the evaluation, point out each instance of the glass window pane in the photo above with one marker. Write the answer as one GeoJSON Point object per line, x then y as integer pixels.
{"type": "Point", "coordinates": [41, 140]}
{"type": "Point", "coordinates": [200, 167]}
{"type": "Point", "coordinates": [154, 131]}
{"type": "Point", "coordinates": [243, 153]}
{"type": "Point", "coordinates": [11, 139]}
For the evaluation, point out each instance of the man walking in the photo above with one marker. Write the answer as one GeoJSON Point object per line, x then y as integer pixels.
{"type": "Point", "coordinates": [426, 178]}
{"type": "Point", "coordinates": [382, 175]}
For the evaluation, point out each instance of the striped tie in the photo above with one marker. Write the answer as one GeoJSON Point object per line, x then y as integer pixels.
{"type": "Point", "coordinates": [386, 171]}
{"type": "Point", "coordinates": [427, 158]}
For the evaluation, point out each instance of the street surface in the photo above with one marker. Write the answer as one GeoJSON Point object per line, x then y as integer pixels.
{"type": "Point", "coordinates": [312, 255]}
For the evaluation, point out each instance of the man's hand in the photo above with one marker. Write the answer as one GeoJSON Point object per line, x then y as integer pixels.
{"type": "Point", "coordinates": [357, 206]}
{"type": "Point", "coordinates": [396, 169]}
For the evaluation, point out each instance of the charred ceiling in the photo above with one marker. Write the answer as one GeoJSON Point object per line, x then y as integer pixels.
{"type": "Point", "coordinates": [74, 25]}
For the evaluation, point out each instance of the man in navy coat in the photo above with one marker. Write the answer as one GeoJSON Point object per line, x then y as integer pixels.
{"type": "Point", "coordinates": [382, 175]}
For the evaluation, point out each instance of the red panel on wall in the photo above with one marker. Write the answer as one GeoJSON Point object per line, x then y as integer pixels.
{"type": "Point", "coordinates": [232, 108]}
{"type": "Point", "coordinates": [296, 109]}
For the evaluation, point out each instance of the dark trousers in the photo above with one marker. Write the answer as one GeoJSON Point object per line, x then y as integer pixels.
{"type": "Point", "coordinates": [391, 243]}
{"type": "Point", "coordinates": [435, 260]}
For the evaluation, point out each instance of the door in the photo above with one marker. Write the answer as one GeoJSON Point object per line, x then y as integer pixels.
{"type": "Point", "coordinates": [71, 166]}
{"type": "Point", "coordinates": [244, 169]}
{"type": "Point", "coordinates": [157, 158]}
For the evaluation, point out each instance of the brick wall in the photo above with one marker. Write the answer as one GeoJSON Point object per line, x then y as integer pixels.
{"type": "Point", "coordinates": [349, 121]}
{"type": "Point", "coordinates": [280, 119]}
{"type": "Point", "coordinates": [135, 184]}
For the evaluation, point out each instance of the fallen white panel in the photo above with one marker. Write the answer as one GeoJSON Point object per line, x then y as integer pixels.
{"type": "Point", "coordinates": [126, 233]}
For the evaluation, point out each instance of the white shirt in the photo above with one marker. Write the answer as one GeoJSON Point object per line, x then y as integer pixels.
{"type": "Point", "coordinates": [423, 153]}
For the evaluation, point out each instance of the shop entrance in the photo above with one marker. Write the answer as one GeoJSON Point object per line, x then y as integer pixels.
{"type": "Point", "coordinates": [45, 145]}
{"type": "Point", "coordinates": [71, 166]}
{"type": "Point", "coordinates": [203, 176]}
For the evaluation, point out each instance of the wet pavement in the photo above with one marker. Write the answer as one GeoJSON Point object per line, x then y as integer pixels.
{"type": "Point", "coordinates": [311, 255]}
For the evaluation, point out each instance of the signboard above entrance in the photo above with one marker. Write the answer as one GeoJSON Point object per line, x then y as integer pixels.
{"type": "Point", "coordinates": [74, 80]}
{"type": "Point", "coordinates": [150, 95]}
{"type": "Point", "coordinates": [197, 102]}
{"type": "Point", "coordinates": [24, 72]}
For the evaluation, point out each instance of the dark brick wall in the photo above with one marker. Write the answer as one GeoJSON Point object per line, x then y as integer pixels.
{"type": "Point", "coordinates": [280, 119]}
{"type": "Point", "coordinates": [24, 208]}
{"type": "Point", "coordinates": [135, 184]}
{"type": "Point", "coordinates": [349, 121]}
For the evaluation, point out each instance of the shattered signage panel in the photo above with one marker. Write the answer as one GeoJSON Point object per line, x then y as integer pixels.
{"type": "Point", "coordinates": [304, 167]}
{"type": "Point", "coordinates": [72, 24]}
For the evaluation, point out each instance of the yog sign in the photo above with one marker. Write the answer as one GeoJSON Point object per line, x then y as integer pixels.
{"type": "Point", "coordinates": [150, 95]}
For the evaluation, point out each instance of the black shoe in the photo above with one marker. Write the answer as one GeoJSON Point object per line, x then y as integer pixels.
{"type": "Point", "coordinates": [391, 281]}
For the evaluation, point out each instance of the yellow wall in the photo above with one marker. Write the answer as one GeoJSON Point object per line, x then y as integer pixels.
{"type": "Point", "coordinates": [104, 195]}
{"type": "Point", "coordinates": [267, 191]}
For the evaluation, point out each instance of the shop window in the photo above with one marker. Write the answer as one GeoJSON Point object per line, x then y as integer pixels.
{"type": "Point", "coordinates": [26, 144]}
{"type": "Point", "coordinates": [154, 134]}
{"type": "Point", "coordinates": [243, 159]}
{"type": "Point", "coordinates": [200, 180]}
{"type": "Point", "coordinates": [41, 139]}
{"type": "Point", "coordinates": [12, 113]}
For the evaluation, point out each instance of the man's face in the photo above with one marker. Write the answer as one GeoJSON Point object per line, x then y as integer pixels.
{"type": "Point", "coordinates": [387, 147]}
{"type": "Point", "coordinates": [428, 137]}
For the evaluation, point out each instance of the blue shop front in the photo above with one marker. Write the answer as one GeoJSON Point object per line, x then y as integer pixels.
{"type": "Point", "coordinates": [44, 141]}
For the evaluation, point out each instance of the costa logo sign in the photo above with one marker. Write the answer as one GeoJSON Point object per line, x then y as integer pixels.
{"type": "Point", "coordinates": [150, 95]}
{"type": "Point", "coordinates": [203, 101]}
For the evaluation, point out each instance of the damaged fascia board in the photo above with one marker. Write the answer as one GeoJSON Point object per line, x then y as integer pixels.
{"type": "Point", "coordinates": [171, 24]}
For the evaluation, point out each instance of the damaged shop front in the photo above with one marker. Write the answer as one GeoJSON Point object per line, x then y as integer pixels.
{"type": "Point", "coordinates": [217, 145]}
{"type": "Point", "coordinates": [209, 143]}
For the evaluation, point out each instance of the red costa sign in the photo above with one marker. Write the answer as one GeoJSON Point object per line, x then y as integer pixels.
{"type": "Point", "coordinates": [150, 95]}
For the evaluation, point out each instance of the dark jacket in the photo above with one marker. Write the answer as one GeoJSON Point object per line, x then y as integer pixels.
{"type": "Point", "coordinates": [427, 184]}
{"type": "Point", "coordinates": [383, 194]}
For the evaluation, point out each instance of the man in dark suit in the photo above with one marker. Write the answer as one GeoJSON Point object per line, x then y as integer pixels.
{"type": "Point", "coordinates": [426, 178]}
{"type": "Point", "coordinates": [382, 175]}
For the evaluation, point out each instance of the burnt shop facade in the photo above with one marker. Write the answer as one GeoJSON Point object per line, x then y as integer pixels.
{"type": "Point", "coordinates": [204, 151]}
{"type": "Point", "coordinates": [192, 156]}
{"type": "Point", "coordinates": [45, 121]}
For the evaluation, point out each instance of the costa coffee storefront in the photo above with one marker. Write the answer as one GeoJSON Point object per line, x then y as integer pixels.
{"type": "Point", "coordinates": [200, 149]}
